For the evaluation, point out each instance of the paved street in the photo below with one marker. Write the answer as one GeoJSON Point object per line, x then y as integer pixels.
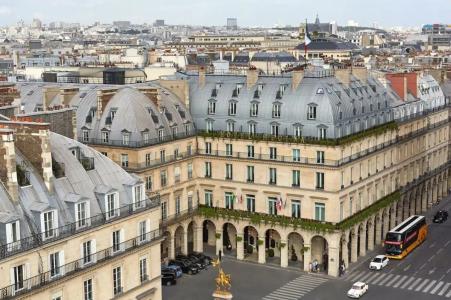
{"type": "Point", "coordinates": [424, 274]}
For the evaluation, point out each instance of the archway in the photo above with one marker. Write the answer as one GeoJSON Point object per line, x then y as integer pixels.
{"type": "Point", "coordinates": [320, 252]}
{"type": "Point", "coordinates": [350, 237]}
{"type": "Point", "coordinates": [191, 236]}
{"type": "Point", "coordinates": [209, 237]}
{"type": "Point", "coordinates": [250, 243]}
{"type": "Point", "coordinates": [179, 240]}
{"type": "Point", "coordinates": [296, 250]}
{"type": "Point", "coordinates": [272, 246]}
{"type": "Point", "coordinates": [165, 246]}
{"type": "Point", "coordinates": [229, 234]}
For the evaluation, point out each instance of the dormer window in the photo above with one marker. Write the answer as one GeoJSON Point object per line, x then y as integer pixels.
{"type": "Point", "coordinates": [145, 137]}
{"type": "Point", "coordinates": [138, 196]}
{"type": "Point", "coordinates": [311, 111]}
{"type": "Point", "coordinates": [230, 126]}
{"type": "Point", "coordinates": [320, 91]}
{"type": "Point", "coordinates": [232, 108]}
{"type": "Point", "coordinates": [85, 135]}
{"type": "Point", "coordinates": [276, 110]}
{"type": "Point", "coordinates": [254, 109]}
{"type": "Point", "coordinates": [160, 134]}
{"type": "Point", "coordinates": [112, 205]}
{"type": "Point", "coordinates": [297, 130]}
{"type": "Point", "coordinates": [211, 107]}
{"type": "Point", "coordinates": [218, 86]}
{"type": "Point", "coordinates": [252, 128]}
{"type": "Point", "coordinates": [275, 129]}
{"type": "Point", "coordinates": [13, 235]}
{"type": "Point", "coordinates": [125, 138]}
{"type": "Point", "coordinates": [105, 137]}
{"type": "Point", "coordinates": [49, 223]}
{"type": "Point", "coordinates": [113, 113]}
{"type": "Point", "coordinates": [81, 214]}
{"type": "Point", "coordinates": [174, 130]}
{"type": "Point", "coordinates": [187, 129]}
{"type": "Point", "coordinates": [209, 125]}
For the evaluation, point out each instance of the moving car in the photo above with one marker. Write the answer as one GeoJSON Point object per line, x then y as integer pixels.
{"type": "Point", "coordinates": [168, 278]}
{"type": "Point", "coordinates": [441, 216]}
{"type": "Point", "coordinates": [378, 262]}
{"type": "Point", "coordinates": [185, 265]}
{"type": "Point", "coordinates": [358, 289]}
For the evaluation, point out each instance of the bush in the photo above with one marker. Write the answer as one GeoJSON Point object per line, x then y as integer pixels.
{"type": "Point", "coordinates": [249, 249]}
{"type": "Point", "coordinates": [271, 252]}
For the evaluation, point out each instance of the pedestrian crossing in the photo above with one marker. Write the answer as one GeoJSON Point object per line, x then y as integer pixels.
{"type": "Point", "coordinates": [406, 282]}
{"type": "Point", "coordinates": [296, 288]}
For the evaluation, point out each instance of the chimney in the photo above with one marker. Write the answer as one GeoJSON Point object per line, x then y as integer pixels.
{"type": "Point", "coordinates": [33, 141]}
{"type": "Point", "coordinates": [48, 93]}
{"type": "Point", "coordinates": [252, 77]}
{"type": "Point", "coordinates": [8, 172]}
{"type": "Point", "coordinates": [296, 77]}
{"type": "Point", "coordinates": [201, 77]}
{"type": "Point", "coordinates": [343, 75]}
{"type": "Point", "coordinates": [361, 73]}
{"type": "Point", "coordinates": [103, 97]}
{"type": "Point", "coordinates": [153, 94]}
{"type": "Point", "coordinates": [66, 95]}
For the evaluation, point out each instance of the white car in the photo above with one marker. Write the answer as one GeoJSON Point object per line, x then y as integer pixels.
{"type": "Point", "coordinates": [358, 289]}
{"type": "Point", "coordinates": [379, 262]}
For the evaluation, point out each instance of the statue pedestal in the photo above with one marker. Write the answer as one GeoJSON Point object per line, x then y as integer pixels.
{"type": "Point", "coordinates": [222, 295]}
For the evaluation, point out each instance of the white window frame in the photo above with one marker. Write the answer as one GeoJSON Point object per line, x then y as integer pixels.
{"type": "Point", "coordinates": [88, 289]}
{"type": "Point", "coordinates": [46, 231]}
{"type": "Point", "coordinates": [13, 235]}
{"type": "Point", "coordinates": [295, 205]}
{"type": "Point", "coordinates": [311, 112]}
{"type": "Point", "coordinates": [143, 273]}
{"type": "Point", "coordinates": [138, 196]}
{"type": "Point", "coordinates": [82, 217]}
{"type": "Point", "coordinates": [208, 194]}
{"type": "Point", "coordinates": [117, 280]}
{"type": "Point", "coordinates": [112, 207]}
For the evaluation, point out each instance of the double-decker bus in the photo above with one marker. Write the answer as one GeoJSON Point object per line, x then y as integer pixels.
{"type": "Point", "coordinates": [405, 237]}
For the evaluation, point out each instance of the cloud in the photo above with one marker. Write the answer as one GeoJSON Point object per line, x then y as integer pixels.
{"type": "Point", "coordinates": [5, 10]}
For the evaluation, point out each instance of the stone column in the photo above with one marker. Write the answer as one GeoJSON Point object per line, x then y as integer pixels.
{"type": "Point", "coordinates": [261, 253]}
{"type": "Point", "coordinates": [185, 242]}
{"type": "Point", "coordinates": [198, 239]}
{"type": "Point", "coordinates": [393, 216]}
{"type": "Point", "coordinates": [362, 250]}
{"type": "Point", "coordinates": [385, 227]}
{"type": "Point", "coordinates": [444, 188]}
{"type": "Point", "coordinates": [399, 211]}
{"type": "Point", "coordinates": [334, 256]}
{"type": "Point", "coordinates": [377, 222]}
{"type": "Point", "coordinates": [424, 201]}
{"type": "Point", "coordinates": [219, 243]}
{"type": "Point", "coordinates": [345, 253]}
{"type": "Point", "coordinates": [307, 257]}
{"type": "Point", "coordinates": [371, 236]}
{"type": "Point", "coordinates": [354, 250]}
{"type": "Point", "coordinates": [429, 196]}
{"type": "Point", "coordinates": [434, 193]}
{"type": "Point", "coordinates": [171, 253]}
{"type": "Point", "coordinates": [284, 255]}
{"type": "Point", "coordinates": [240, 248]}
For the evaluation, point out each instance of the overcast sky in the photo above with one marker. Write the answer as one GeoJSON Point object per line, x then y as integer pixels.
{"type": "Point", "coordinates": [214, 12]}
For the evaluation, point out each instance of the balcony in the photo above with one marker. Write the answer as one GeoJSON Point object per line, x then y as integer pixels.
{"type": "Point", "coordinates": [55, 234]}
{"type": "Point", "coordinates": [178, 217]}
{"type": "Point", "coordinates": [160, 161]}
{"type": "Point", "coordinates": [73, 267]}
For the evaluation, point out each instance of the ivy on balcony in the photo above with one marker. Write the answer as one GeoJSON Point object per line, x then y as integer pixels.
{"type": "Point", "coordinates": [377, 130]}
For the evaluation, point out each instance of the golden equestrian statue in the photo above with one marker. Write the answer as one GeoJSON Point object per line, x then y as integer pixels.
{"type": "Point", "coordinates": [223, 281]}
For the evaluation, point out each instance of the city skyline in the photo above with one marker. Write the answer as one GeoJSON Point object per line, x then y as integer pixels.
{"type": "Point", "coordinates": [286, 12]}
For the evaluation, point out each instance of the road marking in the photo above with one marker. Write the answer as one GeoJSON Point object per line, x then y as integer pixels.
{"type": "Point", "coordinates": [431, 258]}
{"type": "Point", "coordinates": [386, 279]}
{"type": "Point", "coordinates": [406, 268]}
{"type": "Point", "coordinates": [437, 287]}
{"type": "Point", "coordinates": [449, 270]}
{"type": "Point", "coordinates": [400, 281]}
{"type": "Point", "coordinates": [432, 245]}
{"type": "Point", "coordinates": [366, 276]}
{"type": "Point", "coordinates": [353, 276]}
{"type": "Point", "coordinates": [444, 289]}
{"type": "Point", "coordinates": [447, 243]}
{"type": "Point", "coordinates": [439, 250]}
{"type": "Point", "coordinates": [393, 280]}
{"type": "Point", "coordinates": [422, 266]}
{"type": "Point", "coordinates": [429, 286]}
{"type": "Point", "coordinates": [431, 271]}
{"type": "Point", "coordinates": [448, 295]}
{"type": "Point", "coordinates": [372, 277]}
{"type": "Point", "coordinates": [379, 278]}
{"type": "Point", "coordinates": [418, 287]}
{"type": "Point", "coordinates": [407, 282]}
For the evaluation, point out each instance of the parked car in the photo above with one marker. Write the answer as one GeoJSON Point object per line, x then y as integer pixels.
{"type": "Point", "coordinates": [379, 262]}
{"type": "Point", "coordinates": [173, 268]}
{"type": "Point", "coordinates": [358, 289]}
{"type": "Point", "coordinates": [168, 278]}
{"type": "Point", "coordinates": [207, 259]}
{"type": "Point", "coordinates": [186, 266]}
{"type": "Point", "coordinates": [194, 260]}
{"type": "Point", "coordinates": [441, 216]}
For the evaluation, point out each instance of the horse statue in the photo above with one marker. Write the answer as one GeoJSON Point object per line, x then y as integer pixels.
{"type": "Point", "coordinates": [223, 281]}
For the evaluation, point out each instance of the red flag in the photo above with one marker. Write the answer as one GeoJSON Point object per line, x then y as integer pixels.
{"type": "Point", "coordinates": [279, 203]}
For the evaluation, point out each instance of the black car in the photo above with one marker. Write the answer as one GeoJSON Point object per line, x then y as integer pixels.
{"type": "Point", "coordinates": [441, 216]}
{"type": "Point", "coordinates": [186, 266]}
{"type": "Point", "coordinates": [207, 259]}
{"type": "Point", "coordinates": [168, 278]}
{"type": "Point", "coordinates": [194, 260]}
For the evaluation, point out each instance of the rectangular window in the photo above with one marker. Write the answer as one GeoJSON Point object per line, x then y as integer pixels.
{"type": "Point", "coordinates": [163, 178]}
{"type": "Point", "coordinates": [111, 205]}
{"type": "Point", "coordinates": [295, 208]}
{"type": "Point", "coordinates": [117, 281]}
{"type": "Point", "coordinates": [174, 131]}
{"type": "Point", "coordinates": [160, 135]}
{"type": "Point", "coordinates": [296, 178]}
{"type": "Point", "coordinates": [341, 211]}
{"type": "Point", "coordinates": [209, 125]}
{"type": "Point", "coordinates": [124, 160]}
{"type": "Point", "coordinates": [250, 151]}
{"type": "Point", "coordinates": [207, 148]}
{"type": "Point", "coordinates": [164, 210]}
{"type": "Point", "coordinates": [272, 206]}
{"type": "Point", "coordinates": [145, 138]}
{"type": "Point", "coordinates": [177, 205]}
{"type": "Point", "coordinates": [190, 170]}
{"type": "Point", "coordinates": [176, 174]}
{"type": "Point", "coordinates": [232, 108]}
{"type": "Point", "coordinates": [143, 269]}
{"type": "Point", "coordinates": [208, 198]}
{"type": "Point", "coordinates": [55, 264]}
{"type": "Point", "coordinates": [275, 130]}
{"type": "Point", "coordinates": [208, 169]}
{"type": "Point", "coordinates": [351, 200]}
{"type": "Point", "coordinates": [162, 156]}
{"type": "Point", "coordinates": [189, 149]}
{"type": "Point", "coordinates": [311, 113]}
{"type": "Point", "coordinates": [13, 236]}
{"type": "Point", "coordinates": [250, 173]}
{"type": "Point", "coordinates": [272, 176]}
{"type": "Point", "coordinates": [87, 290]}
{"type": "Point", "coordinates": [105, 137]}
{"type": "Point", "coordinates": [250, 203]}
{"type": "Point", "coordinates": [142, 231]}
{"type": "Point", "coordinates": [320, 212]}
{"type": "Point", "coordinates": [149, 183]}
{"type": "Point", "coordinates": [19, 277]}
{"type": "Point", "coordinates": [272, 153]}
{"type": "Point", "coordinates": [49, 224]}
{"type": "Point", "coordinates": [320, 157]}
{"type": "Point", "coordinates": [229, 199]}
{"type": "Point", "coordinates": [148, 159]}
{"type": "Point", "coordinates": [298, 131]}
{"type": "Point", "coordinates": [252, 128]}
{"type": "Point", "coordinates": [116, 240]}
{"type": "Point", "coordinates": [87, 252]}
{"type": "Point", "coordinates": [276, 111]}
{"type": "Point", "coordinates": [138, 196]}
{"type": "Point", "coordinates": [320, 180]}
{"type": "Point", "coordinates": [230, 126]}
{"type": "Point", "coordinates": [322, 133]}
{"type": "Point", "coordinates": [85, 136]}
{"type": "Point", "coordinates": [229, 172]}
{"type": "Point", "coordinates": [254, 109]}
{"type": "Point", "coordinates": [125, 139]}
{"type": "Point", "coordinates": [229, 149]}
{"type": "Point", "coordinates": [296, 155]}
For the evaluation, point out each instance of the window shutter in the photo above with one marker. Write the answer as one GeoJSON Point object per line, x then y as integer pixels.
{"type": "Point", "coordinates": [11, 271]}
{"type": "Point", "coordinates": [94, 250]}
{"type": "Point", "coordinates": [61, 258]}
{"type": "Point", "coordinates": [9, 233]}
{"type": "Point", "coordinates": [28, 275]}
